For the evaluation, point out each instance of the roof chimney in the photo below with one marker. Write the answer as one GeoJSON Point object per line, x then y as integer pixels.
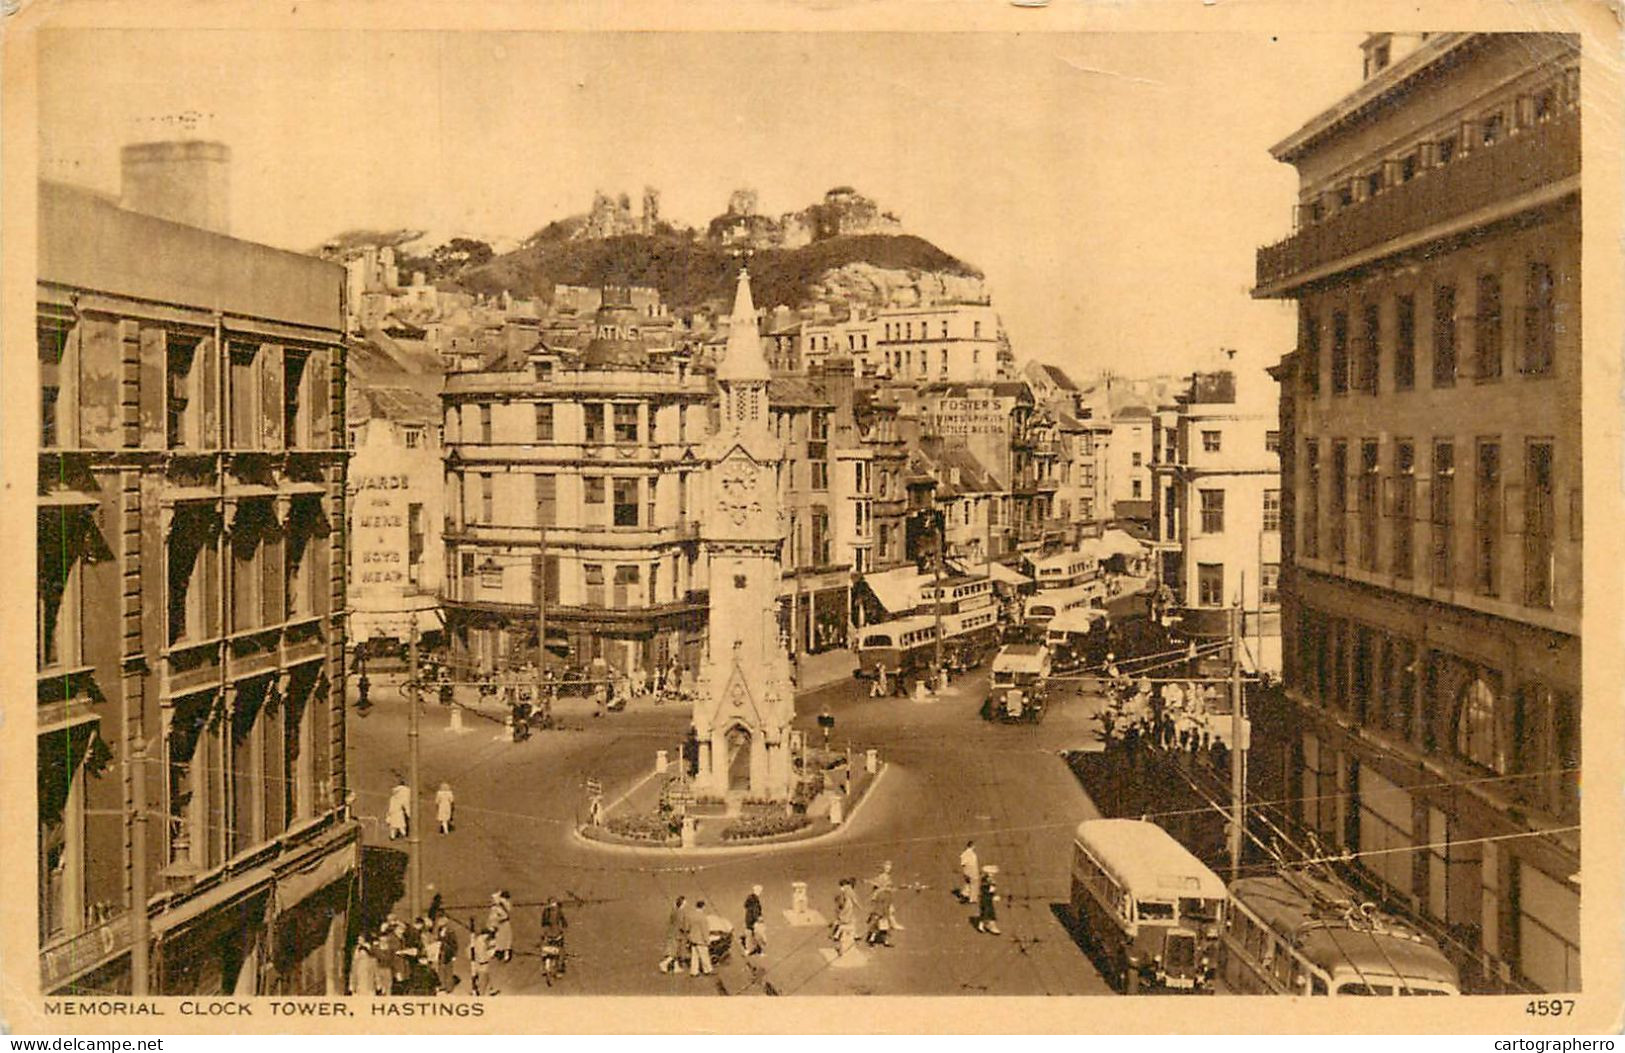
{"type": "Point", "coordinates": [187, 181]}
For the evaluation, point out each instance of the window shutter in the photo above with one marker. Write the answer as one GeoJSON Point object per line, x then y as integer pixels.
{"type": "Point", "coordinates": [1422, 507]}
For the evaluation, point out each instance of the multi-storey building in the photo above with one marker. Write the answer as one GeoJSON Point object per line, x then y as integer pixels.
{"type": "Point", "coordinates": [193, 834]}
{"type": "Point", "coordinates": [961, 492]}
{"type": "Point", "coordinates": [1216, 508]}
{"type": "Point", "coordinates": [946, 343]}
{"type": "Point", "coordinates": [570, 468]}
{"type": "Point", "coordinates": [812, 418]}
{"type": "Point", "coordinates": [1128, 463]}
{"type": "Point", "coordinates": [398, 509]}
{"type": "Point", "coordinates": [1081, 469]}
{"type": "Point", "coordinates": [880, 430]}
{"type": "Point", "coordinates": [1431, 506]}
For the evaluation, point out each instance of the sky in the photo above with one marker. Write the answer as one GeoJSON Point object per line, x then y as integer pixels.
{"type": "Point", "coordinates": [1113, 187]}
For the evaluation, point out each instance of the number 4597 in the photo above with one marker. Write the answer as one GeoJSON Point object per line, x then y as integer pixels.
{"type": "Point", "coordinates": [1550, 1007]}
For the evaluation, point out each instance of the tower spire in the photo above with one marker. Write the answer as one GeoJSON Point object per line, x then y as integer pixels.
{"type": "Point", "coordinates": [743, 358]}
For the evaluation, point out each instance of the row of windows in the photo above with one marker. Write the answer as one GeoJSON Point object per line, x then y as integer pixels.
{"type": "Point", "coordinates": [1212, 510]}
{"type": "Point", "coordinates": [602, 422]}
{"type": "Point", "coordinates": [1210, 585]}
{"type": "Point", "coordinates": [1443, 704]}
{"type": "Point", "coordinates": [905, 330]}
{"type": "Point", "coordinates": [1389, 330]}
{"type": "Point", "coordinates": [1442, 147]}
{"type": "Point", "coordinates": [623, 589]}
{"type": "Point", "coordinates": [1358, 492]}
{"type": "Point", "coordinates": [1212, 442]}
{"type": "Point", "coordinates": [272, 392]}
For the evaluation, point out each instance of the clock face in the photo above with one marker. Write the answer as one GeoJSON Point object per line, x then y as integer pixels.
{"type": "Point", "coordinates": [737, 499]}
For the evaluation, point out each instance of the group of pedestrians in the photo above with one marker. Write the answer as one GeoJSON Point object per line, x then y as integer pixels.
{"type": "Point", "coordinates": [688, 938]}
{"type": "Point", "coordinates": [978, 885]}
{"type": "Point", "coordinates": [398, 811]}
{"type": "Point", "coordinates": [402, 959]}
{"type": "Point", "coordinates": [879, 914]}
{"type": "Point", "coordinates": [1167, 716]}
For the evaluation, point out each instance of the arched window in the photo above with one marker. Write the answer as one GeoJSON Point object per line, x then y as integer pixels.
{"type": "Point", "coordinates": [1479, 736]}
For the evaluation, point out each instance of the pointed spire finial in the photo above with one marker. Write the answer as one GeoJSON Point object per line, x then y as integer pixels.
{"type": "Point", "coordinates": [743, 359]}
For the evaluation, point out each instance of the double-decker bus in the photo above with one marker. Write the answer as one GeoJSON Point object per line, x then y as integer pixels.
{"type": "Point", "coordinates": [1044, 606]}
{"type": "Point", "coordinates": [1148, 909]}
{"type": "Point", "coordinates": [1294, 934]}
{"type": "Point", "coordinates": [1063, 569]}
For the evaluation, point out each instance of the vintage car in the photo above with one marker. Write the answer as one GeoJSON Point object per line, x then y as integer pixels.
{"type": "Point", "coordinates": [1017, 689]}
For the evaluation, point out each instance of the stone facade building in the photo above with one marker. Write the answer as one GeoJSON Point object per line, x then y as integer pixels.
{"type": "Point", "coordinates": [1431, 506]}
{"type": "Point", "coordinates": [572, 465]}
{"type": "Point", "coordinates": [194, 833]}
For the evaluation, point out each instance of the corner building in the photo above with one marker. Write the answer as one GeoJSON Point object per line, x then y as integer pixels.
{"type": "Point", "coordinates": [572, 466]}
{"type": "Point", "coordinates": [193, 821]}
{"type": "Point", "coordinates": [1431, 505]}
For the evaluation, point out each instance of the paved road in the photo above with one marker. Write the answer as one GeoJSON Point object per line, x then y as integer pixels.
{"type": "Point", "coordinates": [950, 776]}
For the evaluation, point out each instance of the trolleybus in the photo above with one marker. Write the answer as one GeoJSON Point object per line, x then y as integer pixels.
{"type": "Point", "coordinates": [1149, 910]}
{"type": "Point", "coordinates": [1294, 934]}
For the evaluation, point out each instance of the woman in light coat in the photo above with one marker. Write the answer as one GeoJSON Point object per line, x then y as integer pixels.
{"type": "Point", "coordinates": [362, 982]}
{"type": "Point", "coordinates": [399, 813]}
{"type": "Point", "coordinates": [444, 803]}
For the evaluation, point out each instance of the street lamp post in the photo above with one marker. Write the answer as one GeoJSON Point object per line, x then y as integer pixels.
{"type": "Point", "coordinates": [414, 848]}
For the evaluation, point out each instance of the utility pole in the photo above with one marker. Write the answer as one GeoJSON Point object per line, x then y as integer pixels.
{"type": "Point", "coordinates": [1237, 782]}
{"type": "Point", "coordinates": [140, 934]}
{"type": "Point", "coordinates": [939, 521]}
{"type": "Point", "coordinates": [542, 699]}
{"type": "Point", "coordinates": [414, 821]}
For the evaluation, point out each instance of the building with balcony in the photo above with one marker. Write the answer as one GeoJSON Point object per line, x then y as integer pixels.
{"type": "Point", "coordinates": [1216, 508]}
{"type": "Point", "coordinates": [1431, 492]}
{"type": "Point", "coordinates": [193, 828]}
{"type": "Point", "coordinates": [880, 430]}
{"type": "Point", "coordinates": [570, 471]}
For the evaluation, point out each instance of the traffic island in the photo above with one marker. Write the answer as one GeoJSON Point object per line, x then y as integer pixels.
{"type": "Point", "coordinates": [663, 811]}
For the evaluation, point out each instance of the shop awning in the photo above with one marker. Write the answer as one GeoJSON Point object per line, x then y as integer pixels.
{"type": "Point", "coordinates": [898, 590]}
{"type": "Point", "coordinates": [1005, 576]}
{"type": "Point", "coordinates": [241, 886]}
{"type": "Point", "coordinates": [68, 499]}
{"type": "Point", "coordinates": [300, 885]}
{"type": "Point", "coordinates": [1122, 543]}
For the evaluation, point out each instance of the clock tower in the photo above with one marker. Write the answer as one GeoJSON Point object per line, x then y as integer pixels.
{"type": "Point", "coordinates": [746, 699]}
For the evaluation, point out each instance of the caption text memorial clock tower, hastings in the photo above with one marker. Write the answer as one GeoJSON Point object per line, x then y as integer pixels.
{"type": "Point", "coordinates": [746, 698]}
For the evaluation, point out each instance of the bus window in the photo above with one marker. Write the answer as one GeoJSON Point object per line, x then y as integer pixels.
{"type": "Point", "coordinates": [1382, 990]}
{"type": "Point", "coordinates": [1283, 963]}
{"type": "Point", "coordinates": [1154, 910]}
{"type": "Point", "coordinates": [1199, 909]}
{"type": "Point", "coordinates": [1317, 986]}
{"type": "Point", "coordinates": [877, 640]}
